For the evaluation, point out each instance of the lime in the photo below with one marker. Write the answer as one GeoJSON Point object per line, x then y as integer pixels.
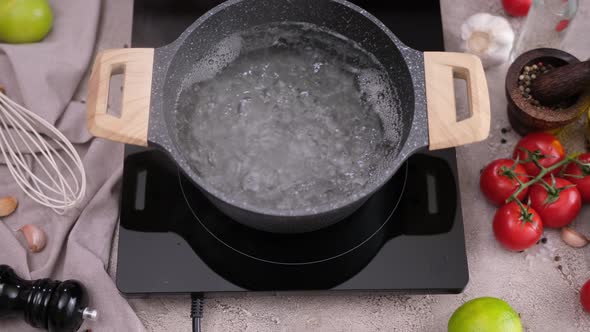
{"type": "Point", "coordinates": [24, 21]}
{"type": "Point", "coordinates": [485, 314]}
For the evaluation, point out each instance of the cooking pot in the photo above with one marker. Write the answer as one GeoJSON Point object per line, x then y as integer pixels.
{"type": "Point", "coordinates": [423, 81]}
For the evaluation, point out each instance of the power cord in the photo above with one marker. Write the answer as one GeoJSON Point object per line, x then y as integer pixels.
{"type": "Point", "coordinates": [197, 302]}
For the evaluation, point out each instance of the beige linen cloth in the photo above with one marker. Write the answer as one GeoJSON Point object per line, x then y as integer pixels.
{"type": "Point", "coordinates": [44, 77]}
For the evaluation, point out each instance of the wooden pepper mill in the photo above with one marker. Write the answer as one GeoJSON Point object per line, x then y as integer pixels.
{"type": "Point", "coordinates": [57, 306]}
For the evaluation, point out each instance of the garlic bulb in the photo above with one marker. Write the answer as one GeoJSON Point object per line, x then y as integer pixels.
{"type": "Point", "coordinates": [489, 37]}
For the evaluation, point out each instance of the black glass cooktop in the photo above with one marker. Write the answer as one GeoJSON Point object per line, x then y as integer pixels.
{"type": "Point", "coordinates": [408, 237]}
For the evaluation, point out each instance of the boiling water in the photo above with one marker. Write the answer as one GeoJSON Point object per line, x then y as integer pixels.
{"type": "Point", "coordinates": [287, 116]}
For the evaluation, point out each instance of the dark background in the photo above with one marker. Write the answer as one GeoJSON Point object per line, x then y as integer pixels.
{"type": "Point", "coordinates": [416, 23]}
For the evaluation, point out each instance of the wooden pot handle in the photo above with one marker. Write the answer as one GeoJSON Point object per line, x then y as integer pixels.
{"type": "Point", "coordinates": [136, 66]}
{"type": "Point", "coordinates": [444, 130]}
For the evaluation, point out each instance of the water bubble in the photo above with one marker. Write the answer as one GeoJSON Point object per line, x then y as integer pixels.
{"type": "Point", "coordinates": [317, 66]}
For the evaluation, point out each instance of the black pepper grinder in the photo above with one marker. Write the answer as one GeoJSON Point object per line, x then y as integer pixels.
{"type": "Point", "coordinates": [57, 306]}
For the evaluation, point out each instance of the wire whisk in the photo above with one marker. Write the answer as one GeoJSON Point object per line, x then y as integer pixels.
{"type": "Point", "coordinates": [29, 143]}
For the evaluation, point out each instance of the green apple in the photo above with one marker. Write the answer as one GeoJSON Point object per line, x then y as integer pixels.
{"type": "Point", "coordinates": [485, 314]}
{"type": "Point", "coordinates": [24, 21]}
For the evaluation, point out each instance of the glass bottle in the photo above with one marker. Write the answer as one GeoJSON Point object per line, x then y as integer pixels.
{"type": "Point", "coordinates": [546, 25]}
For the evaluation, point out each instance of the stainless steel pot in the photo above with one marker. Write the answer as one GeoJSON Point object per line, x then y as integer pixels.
{"type": "Point", "coordinates": [424, 82]}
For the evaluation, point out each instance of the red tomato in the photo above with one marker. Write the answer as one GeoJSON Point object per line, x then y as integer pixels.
{"type": "Point", "coordinates": [517, 7]}
{"type": "Point", "coordinates": [585, 296]}
{"type": "Point", "coordinates": [583, 184]}
{"type": "Point", "coordinates": [497, 186]}
{"type": "Point", "coordinates": [546, 146]}
{"type": "Point", "coordinates": [558, 208]}
{"type": "Point", "coordinates": [516, 230]}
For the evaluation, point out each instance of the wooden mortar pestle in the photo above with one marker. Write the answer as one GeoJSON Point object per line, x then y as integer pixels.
{"type": "Point", "coordinates": [562, 83]}
{"type": "Point", "coordinates": [523, 115]}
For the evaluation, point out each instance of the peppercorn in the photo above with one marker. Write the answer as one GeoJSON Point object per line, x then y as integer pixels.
{"type": "Point", "coordinates": [529, 74]}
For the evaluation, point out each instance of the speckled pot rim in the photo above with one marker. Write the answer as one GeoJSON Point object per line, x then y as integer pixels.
{"type": "Point", "coordinates": [417, 138]}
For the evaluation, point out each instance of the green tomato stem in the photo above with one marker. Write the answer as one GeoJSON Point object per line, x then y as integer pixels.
{"type": "Point", "coordinates": [539, 177]}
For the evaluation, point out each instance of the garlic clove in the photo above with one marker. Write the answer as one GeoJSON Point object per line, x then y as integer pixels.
{"type": "Point", "coordinates": [7, 206]}
{"type": "Point", "coordinates": [35, 236]}
{"type": "Point", "coordinates": [573, 238]}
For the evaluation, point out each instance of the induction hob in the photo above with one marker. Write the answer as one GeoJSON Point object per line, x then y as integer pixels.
{"type": "Point", "coordinates": [407, 238]}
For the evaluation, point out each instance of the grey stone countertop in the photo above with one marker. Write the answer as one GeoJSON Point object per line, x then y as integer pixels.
{"type": "Point", "coordinates": [542, 284]}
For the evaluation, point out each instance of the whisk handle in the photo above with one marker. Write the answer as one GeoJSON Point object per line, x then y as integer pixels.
{"type": "Point", "coordinates": [136, 65]}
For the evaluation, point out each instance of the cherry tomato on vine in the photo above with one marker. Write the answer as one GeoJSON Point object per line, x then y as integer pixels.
{"type": "Point", "coordinates": [498, 181]}
{"type": "Point", "coordinates": [517, 229]}
{"type": "Point", "coordinates": [557, 204]}
{"type": "Point", "coordinates": [580, 176]}
{"type": "Point", "coordinates": [585, 296]}
{"type": "Point", "coordinates": [545, 147]}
